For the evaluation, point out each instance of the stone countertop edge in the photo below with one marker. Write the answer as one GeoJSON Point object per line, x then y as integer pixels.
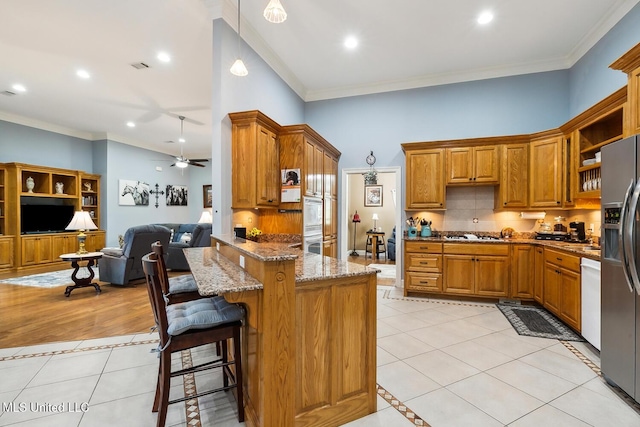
{"type": "Point", "coordinates": [575, 248]}
{"type": "Point", "coordinates": [260, 251]}
{"type": "Point", "coordinates": [218, 275]}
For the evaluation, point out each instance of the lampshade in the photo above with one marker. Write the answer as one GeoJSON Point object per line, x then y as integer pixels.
{"type": "Point", "coordinates": [81, 221]}
{"type": "Point", "coordinates": [238, 68]}
{"type": "Point", "coordinates": [205, 218]}
{"type": "Point", "coordinates": [274, 12]}
{"type": "Point", "coordinates": [375, 217]}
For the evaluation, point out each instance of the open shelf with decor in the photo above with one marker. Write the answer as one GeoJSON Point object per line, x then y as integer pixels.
{"type": "Point", "coordinates": [90, 196]}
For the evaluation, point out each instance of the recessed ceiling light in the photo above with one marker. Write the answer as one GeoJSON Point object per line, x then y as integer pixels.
{"type": "Point", "coordinates": [164, 57]}
{"type": "Point", "coordinates": [83, 74]}
{"type": "Point", "coordinates": [19, 88]}
{"type": "Point", "coordinates": [131, 124]}
{"type": "Point", "coordinates": [350, 42]}
{"type": "Point", "coordinates": [485, 17]}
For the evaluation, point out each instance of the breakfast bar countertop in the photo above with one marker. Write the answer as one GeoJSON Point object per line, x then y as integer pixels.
{"type": "Point", "coordinates": [215, 274]}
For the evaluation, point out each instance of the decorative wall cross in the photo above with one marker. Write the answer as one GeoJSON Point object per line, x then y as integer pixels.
{"type": "Point", "coordinates": [156, 193]}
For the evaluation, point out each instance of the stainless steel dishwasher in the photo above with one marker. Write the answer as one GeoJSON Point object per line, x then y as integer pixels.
{"type": "Point", "coordinates": [591, 301]}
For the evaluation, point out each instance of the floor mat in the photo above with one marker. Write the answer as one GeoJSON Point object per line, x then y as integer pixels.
{"type": "Point", "coordinates": [537, 322]}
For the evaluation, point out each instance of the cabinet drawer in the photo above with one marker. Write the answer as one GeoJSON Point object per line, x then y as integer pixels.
{"type": "Point", "coordinates": [476, 249]}
{"type": "Point", "coordinates": [423, 247]}
{"type": "Point", "coordinates": [421, 282]}
{"type": "Point", "coordinates": [562, 259]}
{"type": "Point", "coordinates": [424, 262]}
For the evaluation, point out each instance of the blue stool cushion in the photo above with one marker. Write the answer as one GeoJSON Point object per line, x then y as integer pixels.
{"type": "Point", "coordinates": [201, 314]}
{"type": "Point", "coordinates": [184, 283]}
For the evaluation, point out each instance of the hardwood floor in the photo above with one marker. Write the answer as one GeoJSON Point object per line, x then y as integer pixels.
{"type": "Point", "coordinates": [30, 315]}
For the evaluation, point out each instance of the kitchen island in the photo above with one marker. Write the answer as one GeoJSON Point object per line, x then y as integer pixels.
{"type": "Point", "coordinates": [309, 339]}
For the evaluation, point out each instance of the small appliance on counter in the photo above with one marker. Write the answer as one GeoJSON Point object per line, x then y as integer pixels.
{"type": "Point", "coordinates": [576, 232]}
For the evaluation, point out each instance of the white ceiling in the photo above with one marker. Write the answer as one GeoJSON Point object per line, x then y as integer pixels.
{"type": "Point", "coordinates": [408, 44]}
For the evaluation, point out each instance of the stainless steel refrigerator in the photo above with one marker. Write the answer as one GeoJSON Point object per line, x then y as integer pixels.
{"type": "Point", "coordinates": [620, 330]}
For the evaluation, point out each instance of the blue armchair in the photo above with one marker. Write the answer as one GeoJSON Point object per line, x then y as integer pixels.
{"type": "Point", "coordinates": [200, 237]}
{"type": "Point", "coordinates": [391, 246]}
{"type": "Point", "coordinates": [120, 266]}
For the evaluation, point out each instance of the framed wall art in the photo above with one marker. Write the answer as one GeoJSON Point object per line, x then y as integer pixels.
{"type": "Point", "coordinates": [133, 193]}
{"type": "Point", "coordinates": [207, 196]}
{"type": "Point", "coordinates": [176, 195]}
{"type": "Point", "coordinates": [373, 195]}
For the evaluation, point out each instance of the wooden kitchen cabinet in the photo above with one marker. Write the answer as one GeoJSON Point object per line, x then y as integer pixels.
{"type": "Point", "coordinates": [562, 292]}
{"type": "Point", "coordinates": [313, 169]}
{"type": "Point", "coordinates": [422, 267]}
{"type": "Point", "coordinates": [538, 285]}
{"type": "Point", "coordinates": [629, 63]}
{"type": "Point", "coordinates": [330, 174]}
{"type": "Point", "coordinates": [545, 172]}
{"type": "Point", "coordinates": [514, 179]}
{"type": "Point", "coordinates": [480, 269]}
{"type": "Point", "coordinates": [424, 177]}
{"type": "Point", "coordinates": [472, 165]}
{"type": "Point", "coordinates": [36, 250]}
{"type": "Point", "coordinates": [522, 271]}
{"type": "Point", "coordinates": [255, 162]}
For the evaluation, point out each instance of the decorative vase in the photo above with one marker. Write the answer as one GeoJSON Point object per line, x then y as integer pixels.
{"type": "Point", "coordinates": [30, 185]}
{"type": "Point", "coordinates": [425, 231]}
{"type": "Point", "coordinates": [59, 187]}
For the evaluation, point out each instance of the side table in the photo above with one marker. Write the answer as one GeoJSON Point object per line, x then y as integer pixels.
{"type": "Point", "coordinates": [82, 282]}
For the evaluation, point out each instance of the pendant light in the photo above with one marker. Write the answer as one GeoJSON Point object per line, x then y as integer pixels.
{"type": "Point", "coordinates": [274, 12]}
{"type": "Point", "coordinates": [238, 68]}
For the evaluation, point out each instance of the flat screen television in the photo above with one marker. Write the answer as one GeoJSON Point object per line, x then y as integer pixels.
{"type": "Point", "coordinates": [36, 219]}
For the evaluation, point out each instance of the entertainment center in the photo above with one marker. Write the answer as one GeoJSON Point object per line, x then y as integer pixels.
{"type": "Point", "coordinates": [36, 205]}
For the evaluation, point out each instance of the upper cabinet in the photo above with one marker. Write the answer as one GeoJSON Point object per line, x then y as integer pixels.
{"type": "Point", "coordinates": [545, 172]}
{"type": "Point", "coordinates": [513, 189]}
{"type": "Point", "coordinates": [472, 165]}
{"type": "Point", "coordinates": [3, 207]}
{"type": "Point", "coordinates": [630, 63]}
{"type": "Point", "coordinates": [424, 177]}
{"type": "Point", "coordinates": [255, 163]}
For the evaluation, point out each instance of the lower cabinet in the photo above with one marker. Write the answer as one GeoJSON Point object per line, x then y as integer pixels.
{"type": "Point", "coordinates": [476, 269]}
{"type": "Point", "coordinates": [538, 279]}
{"type": "Point", "coordinates": [522, 271]}
{"type": "Point", "coordinates": [36, 250]}
{"type": "Point", "coordinates": [423, 267]}
{"type": "Point", "coordinates": [330, 248]}
{"type": "Point", "coordinates": [6, 252]}
{"type": "Point", "coordinates": [64, 244]}
{"type": "Point", "coordinates": [562, 292]}
{"type": "Point", "coordinates": [96, 240]}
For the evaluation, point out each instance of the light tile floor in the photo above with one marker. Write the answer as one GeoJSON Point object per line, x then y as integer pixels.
{"type": "Point", "coordinates": [440, 363]}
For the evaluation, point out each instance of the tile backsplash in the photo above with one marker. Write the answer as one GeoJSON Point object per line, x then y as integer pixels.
{"type": "Point", "coordinates": [471, 209]}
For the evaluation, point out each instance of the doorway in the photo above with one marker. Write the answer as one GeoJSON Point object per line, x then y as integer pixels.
{"type": "Point", "coordinates": [388, 210]}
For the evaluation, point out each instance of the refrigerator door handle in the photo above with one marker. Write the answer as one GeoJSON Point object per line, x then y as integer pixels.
{"type": "Point", "coordinates": [624, 212]}
{"type": "Point", "coordinates": [630, 246]}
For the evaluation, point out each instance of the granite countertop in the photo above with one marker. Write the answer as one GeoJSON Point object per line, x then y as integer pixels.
{"type": "Point", "coordinates": [215, 274]}
{"type": "Point", "coordinates": [580, 249]}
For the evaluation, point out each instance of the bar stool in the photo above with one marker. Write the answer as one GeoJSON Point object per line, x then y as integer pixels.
{"type": "Point", "coordinates": [192, 324]}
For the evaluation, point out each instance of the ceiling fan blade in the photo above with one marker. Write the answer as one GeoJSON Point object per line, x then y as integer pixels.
{"type": "Point", "coordinates": [192, 163]}
{"type": "Point", "coordinates": [198, 160]}
{"type": "Point", "coordinates": [172, 165]}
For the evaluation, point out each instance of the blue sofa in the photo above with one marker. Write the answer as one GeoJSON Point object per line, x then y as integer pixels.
{"type": "Point", "coordinates": [200, 237]}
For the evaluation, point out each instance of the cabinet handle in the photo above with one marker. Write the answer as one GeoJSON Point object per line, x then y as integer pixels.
{"type": "Point", "coordinates": [474, 178]}
{"type": "Point", "coordinates": [470, 179]}
{"type": "Point", "coordinates": [423, 262]}
{"type": "Point", "coordinates": [424, 282]}
{"type": "Point", "coordinates": [559, 259]}
{"type": "Point", "coordinates": [558, 202]}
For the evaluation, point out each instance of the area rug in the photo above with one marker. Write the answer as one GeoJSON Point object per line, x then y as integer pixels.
{"type": "Point", "coordinates": [536, 322]}
{"type": "Point", "coordinates": [387, 271]}
{"type": "Point", "coordinates": [48, 280]}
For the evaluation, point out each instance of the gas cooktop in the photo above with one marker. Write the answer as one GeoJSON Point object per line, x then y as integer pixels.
{"type": "Point", "coordinates": [472, 237]}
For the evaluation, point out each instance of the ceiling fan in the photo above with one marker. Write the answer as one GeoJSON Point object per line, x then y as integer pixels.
{"type": "Point", "coordinates": [181, 161]}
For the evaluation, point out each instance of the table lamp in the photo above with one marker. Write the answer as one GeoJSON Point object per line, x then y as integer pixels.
{"type": "Point", "coordinates": [205, 218]}
{"type": "Point", "coordinates": [81, 221]}
{"type": "Point", "coordinates": [375, 221]}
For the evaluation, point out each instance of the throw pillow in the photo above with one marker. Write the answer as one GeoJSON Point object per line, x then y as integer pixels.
{"type": "Point", "coordinates": [172, 233]}
{"type": "Point", "coordinates": [120, 240]}
{"type": "Point", "coordinates": [185, 238]}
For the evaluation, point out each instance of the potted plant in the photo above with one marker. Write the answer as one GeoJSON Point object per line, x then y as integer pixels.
{"type": "Point", "coordinates": [370, 177]}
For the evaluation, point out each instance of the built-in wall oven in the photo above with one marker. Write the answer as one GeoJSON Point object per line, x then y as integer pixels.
{"type": "Point", "coordinates": [312, 225]}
